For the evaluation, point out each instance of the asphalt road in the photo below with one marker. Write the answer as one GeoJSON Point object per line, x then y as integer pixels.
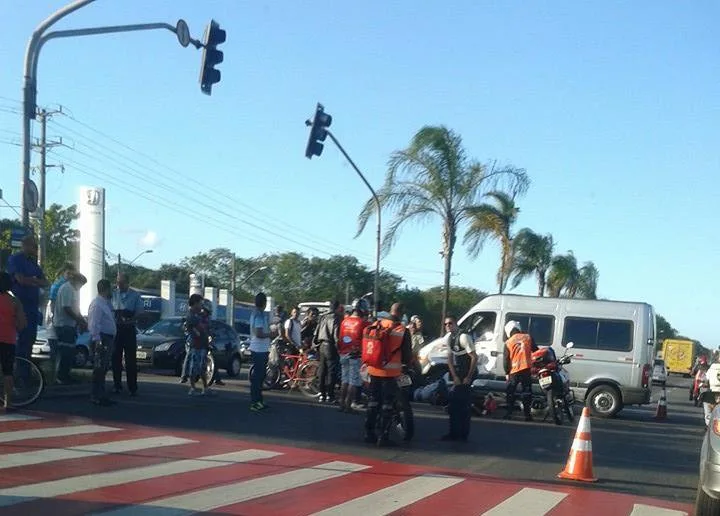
{"type": "Point", "coordinates": [632, 453]}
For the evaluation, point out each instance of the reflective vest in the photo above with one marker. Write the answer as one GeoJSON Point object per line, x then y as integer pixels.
{"type": "Point", "coordinates": [519, 349]}
{"type": "Point", "coordinates": [351, 334]}
{"type": "Point", "coordinates": [394, 366]}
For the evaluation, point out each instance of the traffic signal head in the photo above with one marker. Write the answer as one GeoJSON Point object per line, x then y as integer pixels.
{"type": "Point", "coordinates": [318, 132]}
{"type": "Point", "coordinates": [211, 56]}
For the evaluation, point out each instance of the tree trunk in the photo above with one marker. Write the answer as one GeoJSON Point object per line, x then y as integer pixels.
{"type": "Point", "coordinates": [541, 284]}
{"type": "Point", "coordinates": [448, 247]}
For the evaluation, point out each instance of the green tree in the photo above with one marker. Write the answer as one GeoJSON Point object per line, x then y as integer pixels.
{"type": "Point", "coordinates": [566, 279]}
{"type": "Point", "coordinates": [6, 227]}
{"type": "Point", "coordinates": [588, 277]}
{"type": "Point", "coordinates": [61, 240]}
{"type": "Point", "coordinates": [433, 177]}
{"type": "Point", "coordinates": [494, 221]}
{"type": "Point", "coordinates": [460, 300]}
{"type": "Point", "coordinates": [532, 255]}
{"type": "Point", "coordinates": [665, 330]}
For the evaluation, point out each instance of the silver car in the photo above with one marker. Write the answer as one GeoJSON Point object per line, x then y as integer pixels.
{"type": "Point", "coordinates": [708, 492]}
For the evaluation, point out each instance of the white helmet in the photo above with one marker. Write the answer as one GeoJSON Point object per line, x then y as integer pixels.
{"type": "Point", "coordinates": [510, 326]}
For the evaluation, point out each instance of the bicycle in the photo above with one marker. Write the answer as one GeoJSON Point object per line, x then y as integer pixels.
{"type": "Point", "coordinates": [293, 370]}
{"type": "Point", "coordinates": [28, 386]}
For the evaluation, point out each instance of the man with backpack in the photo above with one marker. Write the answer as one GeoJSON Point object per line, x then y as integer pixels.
{"type": "Point", "coordinates": [386, 349]}
{"type": "Point", "coordinates": [326, 337]}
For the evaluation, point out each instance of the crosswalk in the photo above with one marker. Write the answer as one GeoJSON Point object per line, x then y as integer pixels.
{"type": "Point", "coordinates": [71, 466]}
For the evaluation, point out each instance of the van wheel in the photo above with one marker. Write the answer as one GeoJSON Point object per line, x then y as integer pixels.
{"type": "Point", "coordinates": [604, 401]}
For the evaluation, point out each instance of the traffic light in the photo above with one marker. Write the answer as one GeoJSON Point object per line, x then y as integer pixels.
{"type": "Point", "coordinates": [318, 132]}
{"type": "Point", "coordinates": [211, 56]}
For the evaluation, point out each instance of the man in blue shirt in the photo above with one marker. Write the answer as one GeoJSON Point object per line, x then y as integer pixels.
{"type": "Point", "coordinates": [27, 280]}
{"type": "Point", "coordinates": [127, 305]}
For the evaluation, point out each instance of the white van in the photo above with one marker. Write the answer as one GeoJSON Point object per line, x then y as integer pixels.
{"type": "Point", "coordinates": [613, 343]}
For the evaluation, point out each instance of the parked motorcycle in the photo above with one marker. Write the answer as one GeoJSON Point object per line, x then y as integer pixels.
{"type": "Point", "coordinates": [554, 380]}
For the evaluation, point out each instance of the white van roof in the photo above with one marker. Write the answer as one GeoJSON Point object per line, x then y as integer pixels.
{"type": "Point", "coordinates": [572, 306]}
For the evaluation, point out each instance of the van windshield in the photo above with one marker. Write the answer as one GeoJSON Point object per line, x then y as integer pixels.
{"type": "Point", "coordinates": [480, 326]}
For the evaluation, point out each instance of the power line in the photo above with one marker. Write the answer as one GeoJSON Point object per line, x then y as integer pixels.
{"type": "Point", "coordinates": [266, 220]}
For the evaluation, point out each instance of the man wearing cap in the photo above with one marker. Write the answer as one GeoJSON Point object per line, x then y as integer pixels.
{"type": "Point", "coordinates": [518, 363]}
{"type": "Point", "coordinates": [27, 280]}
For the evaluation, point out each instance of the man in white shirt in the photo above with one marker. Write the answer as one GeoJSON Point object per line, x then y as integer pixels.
{"type": "Point", "coordinates": [259, 349]}
{"type": "Point", "coordinates": [67, 321]}
{"type": "Point", "coordinates": [102, 327]}
{"type": "Point", "coordinates": [293, 329]}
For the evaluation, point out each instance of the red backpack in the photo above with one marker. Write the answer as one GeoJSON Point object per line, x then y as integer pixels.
{"type": "Point", "coordinates": [376, 345]}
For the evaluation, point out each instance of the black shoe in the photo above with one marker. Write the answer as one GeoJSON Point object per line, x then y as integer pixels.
{"type": "Point", "coordinates": [184, 379]}
{"type": "Point", "coordinates": [330, 401]}
{"type": "Point", "coordinates": [385, 442]}
{"type": "Point", "coordinates": [370, 439]}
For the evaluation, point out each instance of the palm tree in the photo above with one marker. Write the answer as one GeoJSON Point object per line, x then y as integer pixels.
{"type": "Point", "coordinates": [434, 177]}
{"type": "Point", "coordinates": [532, 254]}
{"type": "Point", "coordinates": [563, 275]}
{"type": "Point", "coordinates": [587, 281]}
{"type": "Point", "coordinates": [494, 221]}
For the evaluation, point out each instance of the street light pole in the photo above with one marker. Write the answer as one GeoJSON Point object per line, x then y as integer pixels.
{"type": "Point", "coordinates": [376, 288]}
{"type": "Point", "coordinates": [32, 53]}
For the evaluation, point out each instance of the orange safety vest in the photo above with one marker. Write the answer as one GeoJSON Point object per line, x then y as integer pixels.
{"type": "Point", "coordinates": [519, 348]}
{"type": "Point", "coordinates": [394, 366]}
{"type": "Point", "coordinates": [351, 334]}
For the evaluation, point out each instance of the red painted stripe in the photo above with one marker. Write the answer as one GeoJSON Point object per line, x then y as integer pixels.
{"type": "Point", "coordinates": [85, 502]}
{"type": "Point", "coordinates": [593, 502]}
{"type": "Point", "coordinates": [85, 466]}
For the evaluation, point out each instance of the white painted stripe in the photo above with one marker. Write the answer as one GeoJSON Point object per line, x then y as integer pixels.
{"type": "Point", "coordinates": [18, 417]}
{"type": "Point", "coordinates": [584, 425]}
{"type": "Point", "coordinates": [30, 458]}
{"type": "Point", "coordinates": [528, 502]}
{"type": "Point", "coordinates": [649, 510]}
{"type": "Point", "coordinates": [66, 486]}
{"type": "Point", "coordinates": [393, 498]}
{"type": "Point", "coordinates": [581, 445]}
{"type": "Point", "coordinates": [229, 494]}
{"type": "Point", "coordinates": [61, 431]}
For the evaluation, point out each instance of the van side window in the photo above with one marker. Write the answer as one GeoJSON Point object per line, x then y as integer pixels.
{"type": "Point", "coordinates": [598, 334]}
{"type": "Point", "coordinates": [540, 327]}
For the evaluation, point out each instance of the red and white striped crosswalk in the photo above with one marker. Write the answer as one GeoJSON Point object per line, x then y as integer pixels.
{"type": "Point", "coordinates": [72, 466]}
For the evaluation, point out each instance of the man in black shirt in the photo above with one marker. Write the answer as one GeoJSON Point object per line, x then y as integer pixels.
{"type": "Point", "coordinates": [462, 362]}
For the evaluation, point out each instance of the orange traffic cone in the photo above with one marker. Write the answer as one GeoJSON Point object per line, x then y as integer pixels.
{"type": "Point", "coordinates": [661, 412]}
{"type": "Point", "coordinates": [580, 465]}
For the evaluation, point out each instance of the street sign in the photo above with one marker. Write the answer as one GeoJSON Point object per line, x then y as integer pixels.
{"type": "Point", "coordinates": [183, 32]}
{"type": "Point", "coordinates": [31, 196]}
{"type": "Point", "coordinates": [16, 236]}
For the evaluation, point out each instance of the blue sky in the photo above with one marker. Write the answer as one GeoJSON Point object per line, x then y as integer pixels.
{"type": "Point", "coordinates": [611, 107]}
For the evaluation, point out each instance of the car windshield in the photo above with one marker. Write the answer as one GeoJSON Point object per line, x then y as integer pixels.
{"type": "Point", "coordinates": [659, 363]}
{"type": "Point", "coordinates": [166, 328]}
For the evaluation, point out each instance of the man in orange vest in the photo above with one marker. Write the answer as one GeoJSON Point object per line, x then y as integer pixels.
{"type": "Point", "coordinates": [383, 381]}
{"type": "Point", "coordinates": [518, 363]}
{"type": "Point", "coordinates": [349, 347]}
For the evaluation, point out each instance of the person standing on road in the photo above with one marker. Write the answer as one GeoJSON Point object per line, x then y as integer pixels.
{"type": "Point", "coordinates": [260, 350]}
{"type": "Point", "coordinates": [308, 327]}
{"type": "Point", "coordinates": [68, 270]}
{"type": "Point", "coordinates": [383, 381]}
{"type": "Point", "coordinates": [349, 349]}
{"type": "Point", "coordinates": [197, 327]}
{"type": "Point", "coordinates": [293, 331]}
{"type": "Point", "coordinates": [326, 336]}
{"type": "Point", "coordinates": [27, 280]}
{"type": "Point", "coordinates": [102, 328]}
{"type": "Point", "coordinates": [127, 305]}
{"type": "Point", "coordinates": [67, 322]}
{"type": "Point", "coordinates": [518, 363]}
{"type": "Point", "coordinates": [12, 320]}
{"type": "Point", "coordinates": [462, 362]}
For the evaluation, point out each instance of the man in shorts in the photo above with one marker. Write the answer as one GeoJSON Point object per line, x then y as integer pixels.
{"type": "Point", "coordinates": [349, 349]}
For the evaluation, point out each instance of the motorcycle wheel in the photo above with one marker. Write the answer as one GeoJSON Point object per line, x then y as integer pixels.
{"type": "Point", "coordinates": [553, 407]}
{"type": "Point", "coordinates": [406, 418]}
{"type": "Point", "coordinates": [569, 412]}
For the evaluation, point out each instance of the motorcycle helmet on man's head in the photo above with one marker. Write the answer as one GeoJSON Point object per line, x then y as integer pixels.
{"type": "Point", "coordinates": [361, 306]}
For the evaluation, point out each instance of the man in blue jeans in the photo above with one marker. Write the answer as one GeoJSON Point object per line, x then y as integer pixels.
{"type": "Point", "coordinates": [260, 349]}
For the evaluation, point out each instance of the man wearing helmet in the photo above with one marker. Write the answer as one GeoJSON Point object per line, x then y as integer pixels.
{"type": "Point", "coordinates": [518, 363]}
{"type": "Point", "coordinates": [349, 348]}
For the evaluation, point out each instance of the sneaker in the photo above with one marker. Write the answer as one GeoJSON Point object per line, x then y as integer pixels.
{"type": "Point", "coordinates": [219, 382]}
{"type": "Point", "coordinates": [357, 406]}
{"type": "Point", "coordinates": [191, 392]}
{"type": "Point", "coordinates": [263, 405]}
{"type": "Point", "coordinates": [256, 407]}
{"type": "Point", "coordinates": [184, 379]}
{"type": "Point", "coordinates": [322, 399]}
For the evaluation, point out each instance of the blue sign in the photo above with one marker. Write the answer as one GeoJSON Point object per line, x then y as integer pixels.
{"type": "Point", "coordinates": [152, 303]}
{"type": "Point", "coordinates": [16, 236]}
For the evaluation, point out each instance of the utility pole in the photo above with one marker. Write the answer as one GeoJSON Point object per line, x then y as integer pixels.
{"type": "Point", "coordinates": [44, 145]}
{"type": "Point", "coordinates": [231, 304]}
{"type": "Point", "coordinates": [119, 265]}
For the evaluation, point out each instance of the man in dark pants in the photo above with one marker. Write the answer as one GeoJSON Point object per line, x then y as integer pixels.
{"type": "Point", "coordinates": [127, 305]}
{"type": "Point", "coordinates": [462, 361]}
{"type": "Point", "coordinates": [518, 363]}
{"type": "Point", "coordinates": [326, 337]}
{"type": "Point", "coordinates": [102, 328]}
{"type": "Point", "coordinates": [383, 380]}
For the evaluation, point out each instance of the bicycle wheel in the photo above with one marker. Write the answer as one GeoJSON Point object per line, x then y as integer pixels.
{"type": "Point", "coordinates": [29, 383]}
{"type": "Point", "coordinates": [308, 381]}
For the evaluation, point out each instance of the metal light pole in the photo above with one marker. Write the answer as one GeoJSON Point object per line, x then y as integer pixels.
{"type": "Point", "coordinates": [253, 273]}
{"type": "Point", "coordinates": [32, 53]}
{"type": "Point", "coordinates": [376, 288]}
{"type": "Point", "coordinates": [146, 251]}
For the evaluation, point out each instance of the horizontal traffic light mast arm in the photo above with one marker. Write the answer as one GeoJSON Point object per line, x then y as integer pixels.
{"type": "Point", "coordinates": [93, 31]}
{"type": "Point", "coordinates": [336, 142]}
